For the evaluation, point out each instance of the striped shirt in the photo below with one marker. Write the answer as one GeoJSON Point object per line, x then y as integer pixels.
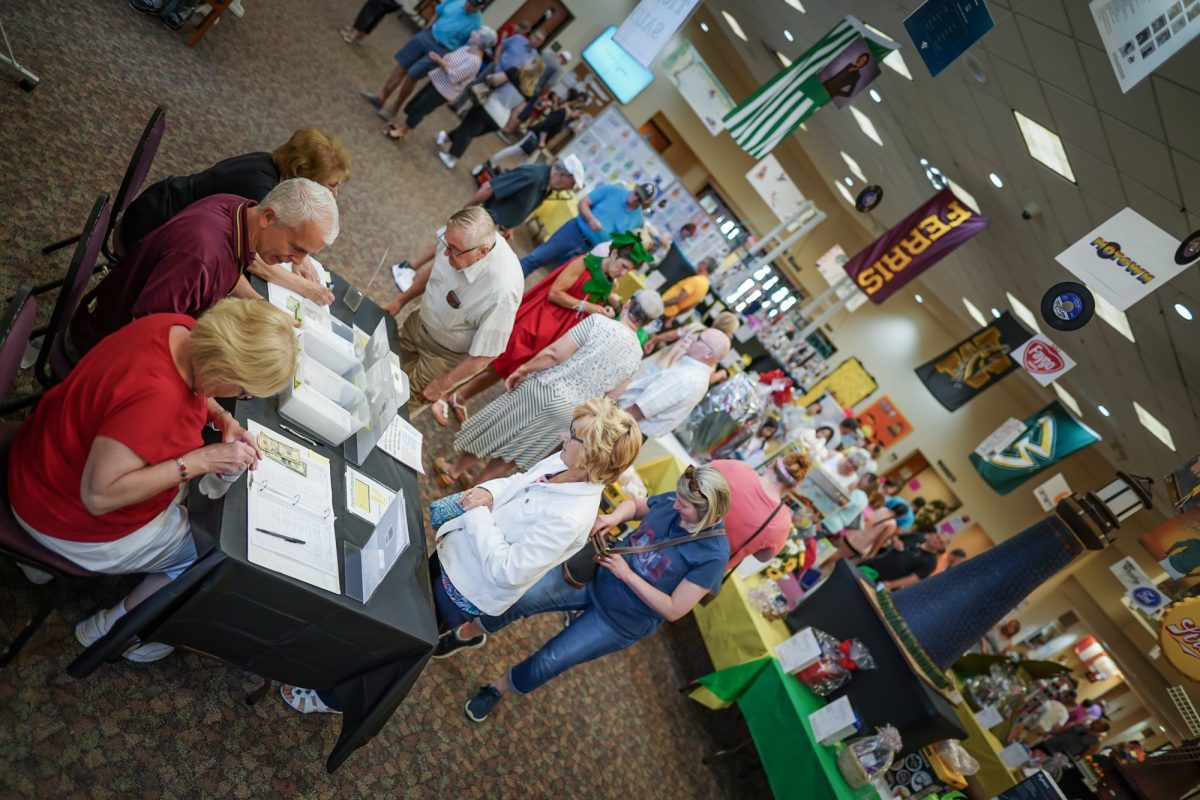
{"type": "Point", "coordinates": [462, 65]}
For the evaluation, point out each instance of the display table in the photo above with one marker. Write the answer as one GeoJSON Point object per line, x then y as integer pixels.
{"type": "Point", "coordinates": [776, 707]}
{"type": "Point", "coordinates": [734, 631]}
{"type": "Point", "coordinates": [993, 777]}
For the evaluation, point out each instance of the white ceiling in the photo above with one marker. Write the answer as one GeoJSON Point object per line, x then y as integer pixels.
{"type": "Point", "coordinates": [1140, 149]}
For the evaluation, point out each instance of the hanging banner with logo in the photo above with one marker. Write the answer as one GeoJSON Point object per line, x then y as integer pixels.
{"type": "Point", "coordinates": [974, 364]}
{"type": "Point", "coordinates": [913, 245]}
{"type": "Point", "coordinates": [648, 28]}
{"type": "Point", "coordinates": [1124, 259]}
{"type": "Point", "coordinates": [1042, 359]}
{"type": "Point", "coordinates": [1050, 435]}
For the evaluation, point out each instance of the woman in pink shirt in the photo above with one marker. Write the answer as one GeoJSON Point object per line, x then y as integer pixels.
{"type": "Point", "coordinates": [757, 521]}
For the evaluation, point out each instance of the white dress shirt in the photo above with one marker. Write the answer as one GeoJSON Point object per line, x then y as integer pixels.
{"type": "Point", "coordinates": [493, 557]}
{"type": "Point", "coordinates": [489, 293]}
{"type": "Point", "coordinates": [666, 397]}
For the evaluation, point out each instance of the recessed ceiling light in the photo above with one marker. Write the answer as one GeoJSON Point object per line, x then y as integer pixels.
{"type": "Point", "coordinates": [734, 26]}
{"type": "Point", "coordinates": [787, 62]}
{"type": "Point", "coordinates": [1184, 312]}
{"type": "Point", "coordinates": [895, 61]}
{"type": "Point", "coordinates": [854, 167]}
{"type": "Point", "coordinates": [1045, 146]}
{"type": "Point", "coordinates": [866, 126]}
{"type": "Point", "coordinates": [1068, 399]}
{"type": "Point", "coordinates": [974, 68]}
{"type": "Point", "coordinates": [1114, 317]}
{"type": "Point", "coordinates": [975, 313]}
{"type": "Point", "coordinates": [796, 5]}
{"type": "Point", "coordinates": [788, 35]}
{"type": "Point", "coordinates": [704, 27]}
{"type": "Point", "coordinates": [995, 179]}
{"type": "Point", "coordinates": [845, 193]}
{"type": "Point", "coordinates": [1104, 411]}
{"type": "Point", "coordinates": [849, 181]}
{"type": "Point", "coordinates": [964, 195]}
{"type": "Point", "coordinates": [996, 313]}
{"type": "Point", "coordinates": [803, 127]}
{"type": "Point", "coordinates": [1151, 423]}
{"type": "Point", "coordinates": [1022, 311]}
{"type": "Point", "coordinates": [924, 162]}
{"type": "Point", "coordinates": [878, 98]}
{"type": "Point", "coordinates": [918, 298]}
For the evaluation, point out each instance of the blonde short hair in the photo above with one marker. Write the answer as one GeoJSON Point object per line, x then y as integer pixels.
{"type": "Point", "coordinates": [247, 343]}
{"type": "Point", "coordinates": [610, 439]}
{"type": "Point", "coordinates": [476, 223]}
{"type": "Point", "coordinates": [312, 154]}
{"type": "Point", "coordinates": [712, 498]}
{"type": "Point", "coordinates": [727, 322]}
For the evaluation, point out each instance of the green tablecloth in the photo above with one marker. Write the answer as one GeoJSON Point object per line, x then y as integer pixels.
{"type": "Point", "coordinates": [776, 707]}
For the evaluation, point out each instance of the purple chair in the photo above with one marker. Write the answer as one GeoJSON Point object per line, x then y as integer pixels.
{"type": "Point", "coordinates": [53, 364]}
{"type": "Point", "coordinates": [135, 176]}
{"type": "Point", "coordinates": [15, 543]}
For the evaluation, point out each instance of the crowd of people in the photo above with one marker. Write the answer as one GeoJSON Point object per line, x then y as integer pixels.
{"type": "Point", "coordinates": [98, 472]}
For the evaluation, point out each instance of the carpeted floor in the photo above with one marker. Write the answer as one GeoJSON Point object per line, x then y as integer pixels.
{"type": "Point", "coordinates": [617, 728]}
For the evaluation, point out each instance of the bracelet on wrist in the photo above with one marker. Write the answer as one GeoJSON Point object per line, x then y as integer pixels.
{"type": "Point", "coordinates": [183, 470]}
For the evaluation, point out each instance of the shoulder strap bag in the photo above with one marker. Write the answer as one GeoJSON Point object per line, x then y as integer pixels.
{"type": "Point", "coordinates": [580, 568]}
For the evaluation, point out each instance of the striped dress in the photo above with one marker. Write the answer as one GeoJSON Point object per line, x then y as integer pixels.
{"type": "Point", "coordinates": [526, 425]}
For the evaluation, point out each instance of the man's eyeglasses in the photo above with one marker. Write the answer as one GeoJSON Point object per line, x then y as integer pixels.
{"type": "Point", "coordinates": [456, 253]}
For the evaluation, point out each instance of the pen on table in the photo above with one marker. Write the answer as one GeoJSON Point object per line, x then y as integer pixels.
{"type": "Point", "coordinates": [298, 435]}
{"type": "Point", "coordinates": [291, 539]}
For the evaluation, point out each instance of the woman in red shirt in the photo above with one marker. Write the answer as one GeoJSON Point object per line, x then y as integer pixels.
{"type": "Point", "coordinates": [96, 474]}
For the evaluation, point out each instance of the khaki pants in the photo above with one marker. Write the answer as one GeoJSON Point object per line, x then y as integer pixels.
{"type": "Point", "coordinates": [423, 357]}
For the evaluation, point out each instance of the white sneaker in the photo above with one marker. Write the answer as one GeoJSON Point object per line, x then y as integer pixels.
{"type": "Point", "coordinates": [31, 352]}
{"type": "Point", "coordinates": [98, 624]}
{"type": "Point", "coordinates": [35, 575]}
{"type": "Point", "coordinates": [448, 160]}
{"type": "Point", "coordinates": [443, 139]}
{"type": "Point", "coordinates": [150, 651]}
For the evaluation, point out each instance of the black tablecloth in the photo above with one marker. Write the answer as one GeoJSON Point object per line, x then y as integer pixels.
{"type": "Point", "coordinates": [285, 629]}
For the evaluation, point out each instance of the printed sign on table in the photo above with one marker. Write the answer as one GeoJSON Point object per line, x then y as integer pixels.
{"type": "Point", "coordinates": [974, 364]}
{"type": "Point", "coordinates": [943, 30]}
{"type": "Point", "coordinates": [913, 245]}
{"type": "Point", "coordinates": [1139, 35]}
{"type": "Point", "coordinates": [1124, 259]}
{"type": "Point", "coordinates": [1042, 359]}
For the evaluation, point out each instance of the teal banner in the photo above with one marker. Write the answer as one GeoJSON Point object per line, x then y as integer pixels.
{"type": "Point", "coordinates": [1050, 435]}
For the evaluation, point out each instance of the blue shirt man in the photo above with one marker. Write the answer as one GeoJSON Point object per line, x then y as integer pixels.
{"type": "Point", "coordinates": [607, 209]}
{"type": "Point", "coordinates": [514, 52]}
{"type": "Point", "coordinates": [455, 23]}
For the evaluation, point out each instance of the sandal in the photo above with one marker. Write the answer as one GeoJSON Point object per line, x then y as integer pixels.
{"type": "Point", "coordinates": [390, 132]}
{"type": "Point", "coordinates": [306, 701]}
{"type": "Point", "coordinates": [460, 408]}
{"type": "Point", "coordinates": [441, 412]}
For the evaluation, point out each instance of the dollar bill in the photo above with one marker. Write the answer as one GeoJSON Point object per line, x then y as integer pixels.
{"type": "Point", "coordinates": [285, 454]}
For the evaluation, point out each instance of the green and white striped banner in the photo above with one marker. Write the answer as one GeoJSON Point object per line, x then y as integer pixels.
{"type": "Point", "coordinates": [769, 115]}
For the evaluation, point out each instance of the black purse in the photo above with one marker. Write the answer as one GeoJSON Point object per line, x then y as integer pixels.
{"type": "Point", "coordinates": [580, 569]}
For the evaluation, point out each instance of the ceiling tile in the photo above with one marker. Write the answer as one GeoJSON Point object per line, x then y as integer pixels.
{"type": "Point", "coordinates": [1023, 92]}
{"type": "Point", "coordinates": [1047, 12]}
{"type": "Point", "coordinates": [1083, 25]}
{"type": "Point", "coordinates": [1136, 107]}
{"type": "Point", "coordinates": [1078, 122]}
{"type": "Point", "coordinates": [1162, 212]}
{"type": "Point", "coordinates": [1066, 205]}
{"type": "Point", "coordinates": [1095, 177]}
{"type": "Point", "coordinates": [1100, 210]}
{"type": "Point", "coordinates": [1004, 40]}
{"type": "Point", "coordinates": [1188, 171]}
{"type": "Point", "coordinates": [990, 85]}
{"type": "Point", "coordinates": [1054, 57]}
{"type": "Point", "coordinates": [1141, 157]}
{"type": "Point", "coordinates": [1181, 114]}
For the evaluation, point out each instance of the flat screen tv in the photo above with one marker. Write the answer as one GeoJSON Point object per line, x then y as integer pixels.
{"type": "Point", "coordinates": [623, 75]}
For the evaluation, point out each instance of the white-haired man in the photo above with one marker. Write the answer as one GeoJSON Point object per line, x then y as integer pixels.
{"type": "Point", "coordinates": [201, 254]}
{"type": "Point", "coordinates": [661, 400]}
{"type": "Point", "coordinates": [471, 292]}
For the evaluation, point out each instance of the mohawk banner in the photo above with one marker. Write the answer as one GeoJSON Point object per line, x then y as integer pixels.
{"type": "Point", "coordinates": [837, 67]}
{"type": "Point", "coordinates": [975, 363]}
{"type": "Point", "coordinates": [913, 245]}
{"type": "Point", "coordinates": [1050, 435]}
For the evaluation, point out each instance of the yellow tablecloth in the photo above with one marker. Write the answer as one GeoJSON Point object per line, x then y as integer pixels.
{"type": "Point", "coordinates": [993, 777]}
{"type": "Point", "coordinates": [735, 632]}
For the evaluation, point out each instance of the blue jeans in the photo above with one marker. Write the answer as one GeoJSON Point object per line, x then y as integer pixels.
{"type": "Point", "coordinates": [414, 56]}
{"type": "Point", "coordinates": [566, 243]}
{"type": "Point", "coordinates": [587, 638]}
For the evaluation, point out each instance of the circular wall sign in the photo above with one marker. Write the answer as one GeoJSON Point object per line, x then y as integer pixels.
{"type": "Point", "coordinates": [1189, 249]}
{"type": "Point", "coordinates": [1068, 306]}
{"type": "Point", "coordinates": [868, 198]}
{"type": "Point", "coordinates": [1179, 635]}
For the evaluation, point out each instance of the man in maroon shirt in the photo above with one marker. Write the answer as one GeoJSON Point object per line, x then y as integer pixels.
{"type": "Point", "coordinates": [199, 256]}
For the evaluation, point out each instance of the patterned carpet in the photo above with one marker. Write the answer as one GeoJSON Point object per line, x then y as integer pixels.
{"type": "Point", "coordinates": [617, 728]}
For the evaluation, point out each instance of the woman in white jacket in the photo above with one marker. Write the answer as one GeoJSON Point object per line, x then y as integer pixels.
{"type": "Point", "coordinates": [516, 529]}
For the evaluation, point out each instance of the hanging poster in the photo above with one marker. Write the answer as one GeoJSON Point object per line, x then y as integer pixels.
{"type": "Point", "coordinates": [1049, 493]}
{"type": "Point", "coordinates": [1042, 359]}
{"type": "Point", "coordinates": [1124, 259]}
{"type": "Point", "coordinates": [849, 383]}
{"type": "Point", "coordinates": [1175, 545]}
{"type": "Point", "coordinates": [1050, 435]}
{"type": "Point", "coordinates": [1139, 35]}
{"type": "Point", "coordinates": [1183, 485]}
{"type": "Point", "coordinates": [913, 245]}
{"type": "Point", "coordinates": [648, 28]}
{"type": "Point", "coordinates": [699, 87]}
{"type": "Point", "coordinates": [974, 364]}
{"type": "Point", "coordinates": [943, 30]}
{"type": "Point", "coordinates": [776, 188]}
{"type": "Point", "coordinates": [887, 424]}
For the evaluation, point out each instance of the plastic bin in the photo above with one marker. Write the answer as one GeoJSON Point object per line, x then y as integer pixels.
{"type": "Point", "coordinates": [323, 402]}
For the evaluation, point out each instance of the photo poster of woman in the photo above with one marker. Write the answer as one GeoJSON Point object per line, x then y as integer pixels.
{"type": "Point", "coordinates": [849, 72]}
